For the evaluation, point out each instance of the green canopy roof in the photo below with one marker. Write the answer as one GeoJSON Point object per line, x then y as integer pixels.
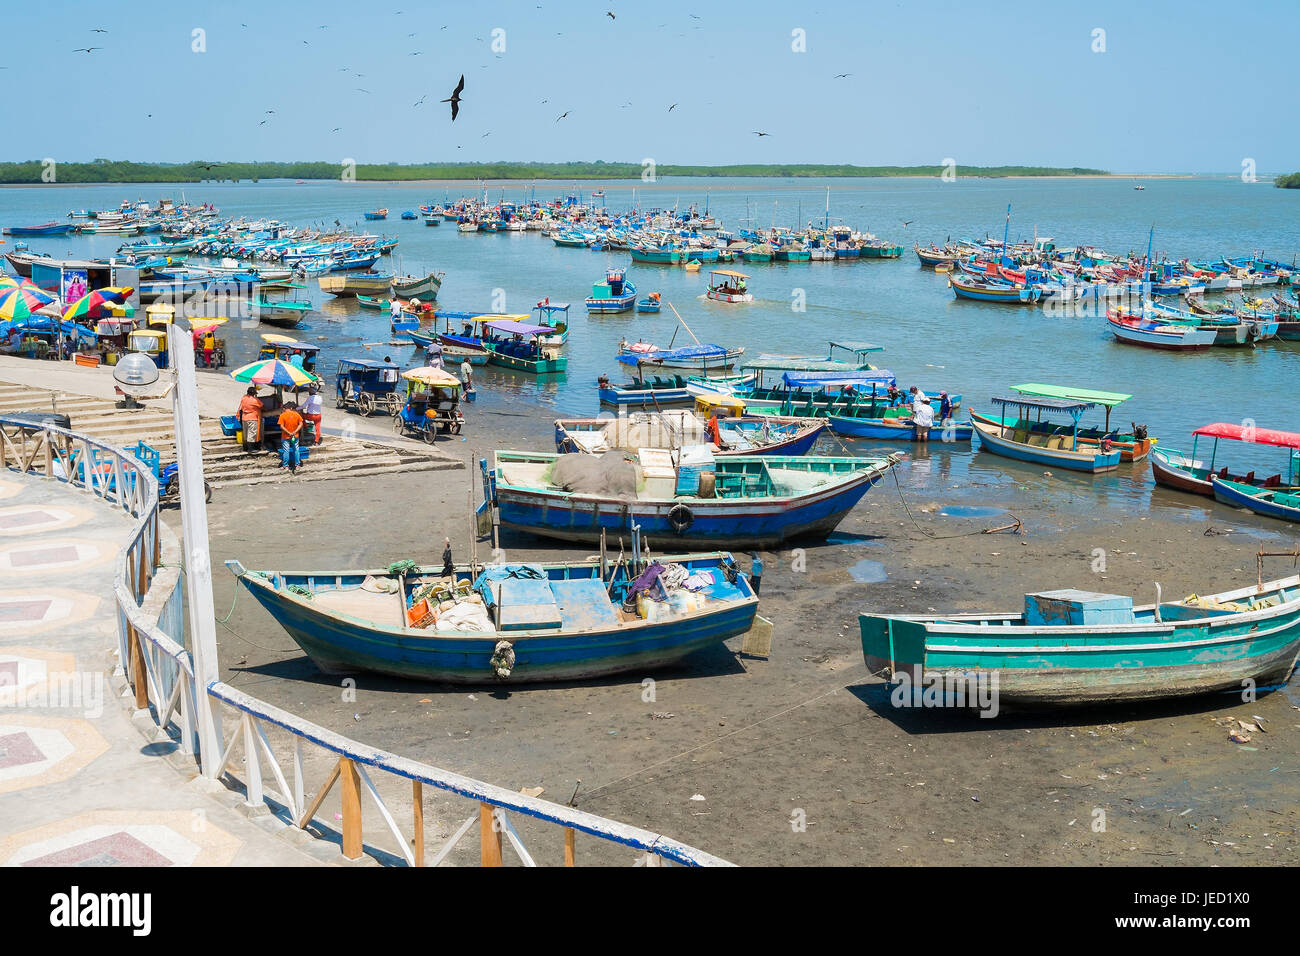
{"type": "Point", "coordinates": [1109, 399]}
{"type": "Point", "coordinates": [795, 363]}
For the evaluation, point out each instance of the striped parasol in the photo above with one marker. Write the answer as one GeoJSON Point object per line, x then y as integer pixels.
{"type": "Point", "coordinates": [274, 372]}
{"type": "Point", "coordinates": [92, 303]}
{"type": "Point", "coordinates": [19, 302]}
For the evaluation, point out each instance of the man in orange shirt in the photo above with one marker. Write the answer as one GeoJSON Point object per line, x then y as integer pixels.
{"type": "Point", "coordinates": [250, 419]}
{"type": "Point", "coordinates": [290, 423]}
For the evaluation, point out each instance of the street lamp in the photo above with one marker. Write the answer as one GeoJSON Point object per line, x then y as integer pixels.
{"type": "Point", "coordinates": [134, 374]}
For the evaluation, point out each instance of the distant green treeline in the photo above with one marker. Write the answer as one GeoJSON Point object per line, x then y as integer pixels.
{"type": "Point", "coordinates": [116, 171]}
{"type": "Point", "coordinates": [1288, 182]}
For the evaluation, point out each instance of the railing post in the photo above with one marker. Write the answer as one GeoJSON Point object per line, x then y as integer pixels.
{"type": "Point", "coordinates": [417, 793]}
{"type": "Point", "coordinates": [252, 765]}
{"type": "Point", "coordinates": [489, 835]}
{"type": "Point", "coordinates": [351, 809]}
{"type": "Point", "coordinates": [569, 835]}
{"type": "Point", "coordinates": [139, 676]}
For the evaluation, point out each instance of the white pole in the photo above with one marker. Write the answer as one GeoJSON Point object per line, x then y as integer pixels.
{"type": "Point", "coordinates": [197, 561]}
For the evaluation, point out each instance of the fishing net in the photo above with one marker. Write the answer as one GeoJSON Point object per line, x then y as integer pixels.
{"type": "Point", "coordinates": [610, 474]}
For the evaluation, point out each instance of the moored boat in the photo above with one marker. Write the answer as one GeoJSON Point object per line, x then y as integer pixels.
{"type": "Point", "coordinates": [1073, 647]}
{"type": "Point", "coordinates": [425, 287]}
{"type": "Point", "coordinates": [1152, 334]}
{"type": "Point", "coordinates": [1187, 472]}
{"type": "Point", "coordinates": [524, 623]}
{"type": "Point", "coordinates": [615, 294]}
{"type": "Point", "coordinates": [727, 285]}
{"type": "Point", "coordinates": [1044, 443]}
{"type": "Point", "coordinates": [365, 283]}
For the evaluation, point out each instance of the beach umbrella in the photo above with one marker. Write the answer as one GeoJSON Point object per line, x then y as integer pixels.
{"type": "Point", "coordinates": [274, 372]}
{"type": "Point", "coordinates": [20, 303]}
{"type": "Point", "coordinates": [428, 375]}
{"type": "Point", "coordinates": [92, 302]}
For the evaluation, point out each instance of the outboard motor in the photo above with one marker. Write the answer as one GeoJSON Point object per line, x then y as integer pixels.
{"type": "Point", "coordinates": [1139, 431]}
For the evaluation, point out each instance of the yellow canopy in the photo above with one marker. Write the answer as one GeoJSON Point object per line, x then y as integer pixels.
{"type": "Point", "coordinates": [428, 375]}
{"type": "Point", "coordinates": [493, 317]}
{"type": "Point", "coordinates": [279, 339]}
{"type": "Point", "coordinates": [729, 272]}
{"type": "Point", "coordinates": [706, 403]}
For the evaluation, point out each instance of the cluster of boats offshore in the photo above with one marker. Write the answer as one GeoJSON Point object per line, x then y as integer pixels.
{"type": "Point", "coordinates": [1132, 292]}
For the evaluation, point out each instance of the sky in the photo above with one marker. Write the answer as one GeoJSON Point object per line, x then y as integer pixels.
{"type": "Point", "coordinates": [1176, 87]}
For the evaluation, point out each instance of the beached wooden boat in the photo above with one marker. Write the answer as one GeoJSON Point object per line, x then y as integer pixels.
{"type": "Point", "coordinates": [364, 283]}
{"type": "Point", "coordinates": [1075, 647]}
{"type": "Point", "coordinates": [1042, 443]}
{"type": "Point", "coordinates": [1133, 445]}
{"type": "Point", "coordinates": [1187, 472]}
{"type": "Point", "coordinates": [425, 288]}
{"type": "Point", "coordinates": [522, 623]}
{"type": "Point", "coordinates": [756, 502]}
{"type": "Point", "coordinates": [1272, 502]}
{"type": "Point", "coordinates": [678, 428]}
{"type": "Point", "coordinates": [1152, 334]}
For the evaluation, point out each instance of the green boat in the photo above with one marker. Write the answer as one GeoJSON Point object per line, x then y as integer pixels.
{"type": "Point", "coordinates": [282, 312]}
{"type": "Point", "coordinates": [1073, 647]}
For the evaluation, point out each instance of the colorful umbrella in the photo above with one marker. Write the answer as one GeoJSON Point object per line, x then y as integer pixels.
{"type": "Point", "coordinates": [206, 325]}
{"type": "Point", "coordinates": [274, 372]}
{"type": "Point", "coordinates": [20, 303]}
{"type": "Point", "coordinates": [92, 302]}
{"type": "Point", "coordinates": [432, 376]}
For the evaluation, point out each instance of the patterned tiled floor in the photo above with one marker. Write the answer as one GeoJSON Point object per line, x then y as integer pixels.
{"type": "Point", "coordinates": [75, 789]}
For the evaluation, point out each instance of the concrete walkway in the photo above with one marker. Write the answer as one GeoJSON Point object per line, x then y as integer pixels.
{"type": "Point", "coordinates": [80, 785]}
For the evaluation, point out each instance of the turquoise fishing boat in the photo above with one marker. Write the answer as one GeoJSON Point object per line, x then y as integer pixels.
{"type": "Point", "coordinates": [1044, 443]}
{"type": "Point", "coordinates": [1188, 472]}
{"type": "Point", "coordinates": [615, 294]}
{"type": "Point", "coordinates": [520, 623]}
{"type": "Point", "coordinates": [1270, 502]}
{"type": "Point", "coordinates": [509, 343]}
{"type": "Point", "coordinates": [1073, 647]}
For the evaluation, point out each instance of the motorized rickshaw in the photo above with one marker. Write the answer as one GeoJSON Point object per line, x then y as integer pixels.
{"type": "Point", "coordinates": [367, 384]}
{"type": "Point", "coordinates": [152, 342]}
{"type": "Point", "coordinates": [432, 404]}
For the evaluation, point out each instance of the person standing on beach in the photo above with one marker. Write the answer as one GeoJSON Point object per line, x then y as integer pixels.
{"type": "Point", "coordinates": [250, 419]}
{"type": "Point", "coordinates": [312, 409]}
{"type": "Point", "coordinates": [467, 375]}
{"type": "Point", "coordinates": [923, 420]}
{"type": "Point", "coordinates": [209, 346]}
{"type": "Point", "coordinates": [290, 423]}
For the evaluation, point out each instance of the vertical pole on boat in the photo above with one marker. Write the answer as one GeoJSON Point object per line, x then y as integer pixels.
{"type": "Point", "coordinates": [1151, 238]}
{"type": "Point", "coordinates": [202, 643]}
{"type": "Point", "coordinates": [1005, 231]}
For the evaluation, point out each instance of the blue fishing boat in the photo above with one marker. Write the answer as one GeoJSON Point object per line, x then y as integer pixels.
{"type": "Point", "coordinates": [376, 214]}
{"type": "Point", "coordinates": [1188, 472]}
{"type": "Point", "coordinates": [748, 502]}
{"type": "Point", "coordinates": [680, 428]}
{"type": "Point", "coordinates": [509, 343]}
{"type": "Point", "coordinates": [650, 304]}
{"type": "Point", "coordinates": [990, 290]}
{"type": "Point", "coordinates": [44, 229]}
{"type": "Point", "coordinates": [1283, 503]}
{"type": "Point", "coordinates": [1074, 647]}
{"type": "Point", "coordinates": [553, 315]}
{"type": "Point", "coordinates": [615, 294]}
{"type": "Point", "coordinates": [409, 214]}
{"type": "Point", "coordinates": [518, 622]}
{"type": "Point", "coordinates": [1059, 446]}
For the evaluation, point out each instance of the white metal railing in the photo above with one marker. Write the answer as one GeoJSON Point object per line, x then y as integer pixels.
{"type": "Point", "coordinates": [161, 673]}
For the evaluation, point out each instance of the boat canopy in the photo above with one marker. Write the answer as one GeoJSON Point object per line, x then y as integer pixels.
{"type": "Point", "coordinates": [1258, 436]}
{"type": "Point", "coordinates": [794, 363]}
{"type": "Point", "coordinates": [673, 355]}
{"type": "Point", "coordinates": [518, 328]}
{"type": "Point", "coordinates": [552, 307]}
{"type": "Point", "coordinates": [1073, 406]}
{"type": "Point", "coordinates": [366, 363]}
{"type": "Point", "coordinates": [879, 376]}
{"type": "Point", "coordinates": [730, 273]}
{"type": "Point", "coordinates": [1109, 399]}
{"type": "Point", "coordinates": [857, 348]}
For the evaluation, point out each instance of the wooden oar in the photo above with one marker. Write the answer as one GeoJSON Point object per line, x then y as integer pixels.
{"type": "Point", "coordinates": [683, 322]}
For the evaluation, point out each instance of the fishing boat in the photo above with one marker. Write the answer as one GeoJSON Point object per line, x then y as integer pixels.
{"type": "Point", "coordinates": [650, 304]}
{"type": "Point", "coordinates": [425, 287]}
{"type": "Point", "coordinates": [615, 294]}
{"type": "Point", "coordinates": [356, 283]}
{"type": "Point", "coordinates": [727, 285]}
{"type": "Point", "coordinates": [1283, 503]}
{"type": "Point", "coordinates": [966, 286]}
{"type": "Point", "coordinates": [286, 313]}
{"type": "Point", "coordinates": [1073, 647]}
{"type": "Point", "coordinates": [934, 256]}
{"type": "Point", "coordinates": [409, 215]}
{"type": "Point", "coordinates": [1154, 334]}
{"type": "Point", "coordinates": [699, 358]}
{"type": "Point", "coordinates": [1230, 329]}
{"type": "Point", "coordinates": [510, 342]}
{"type": "Point", "coordinates": [676, 429]}
{"type": "Point", "coordinates": [376, 214]}
{"type": "Point", "coordinates": [555, 316]}
{"type": "Point", "coordinates": [649, 391]}
{"type": "Point", "coordinates": [432, 220]}
{"type": "Point", "coordinates": [750, 502]}
{"type": "Point", "coordinates": [522, 622]}
{"type": "Point", "coordinates": [1187, 472]}
{"type": "Point", "coordinates": [44, 229]}
{"type": "Point", "coordinates": [374, 303]}
{"type": "Point", "coordinates": [1043, 443]}
{"type": "Point", "coordinates": [1134, 445]}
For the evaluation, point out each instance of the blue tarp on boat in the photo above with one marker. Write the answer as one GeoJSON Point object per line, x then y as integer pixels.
{"type": "Point", "coordinates": [674, 355]}
{"type": "Point", "coordinates": [866, 377]}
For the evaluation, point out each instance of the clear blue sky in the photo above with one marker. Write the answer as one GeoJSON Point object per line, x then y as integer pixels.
{"type": "Point", "coordinates": [1181, 87]}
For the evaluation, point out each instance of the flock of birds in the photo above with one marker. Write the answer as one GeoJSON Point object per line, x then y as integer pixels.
{"type": "Point", "coordinates": [454, 100]}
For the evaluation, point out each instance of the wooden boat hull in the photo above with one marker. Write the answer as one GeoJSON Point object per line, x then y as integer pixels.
{"type": "Point", "coordinates": [425, 288]}
{"type": "Point", "coordinates": [1130, 448]}
{"type": "Point", "coordinates": [897, 430]}
{"type": "Point", "coordinates": [799, 436]}
{"type": "Point", "coordinates": [980, 292]}
{"type": "Point", "coordinates": [613, 304]}
{"type": "Point", "coordinates": [345, 285]}
{"type": "Point", "coordinates": [991, 440]}
{"type": "Point", "coordinates": [1166, 472]}
{"type": "Point", "coordinates": [1191, 652]}
{"type": "Point", "coordinates": [734, 297]}
{"type": "Point", "coordinates": [1190, 340]}
{"type": "Point", "coordinates": [1270, 502]}
{"type": "Point", "coordinates": [341, 643]}
{"type": "Point", "coordinates": [739, 523]}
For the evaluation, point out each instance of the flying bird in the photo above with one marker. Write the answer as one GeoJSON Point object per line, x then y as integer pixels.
{"type": "Point", "coordinates": [840, 76]}
{"type": "Point", "coordinates": [908, 222]}
{"type": "Point", "coordinates": [454, 99]}
{"type": "Point", "coordinates": [208, 166]}
{"type": "Point", "coordinates": [360, 90]}
{"type": "Point", "coordinates": [561, 116]}
{"type": "Point", "coordinates": [263, 123]}
{"type": "Point", "coordinates": [98, 30]}
{"type": "Point", "coordinates": [673, 107]}
{"type": "Point", "coordinates": [87, 49]}
{"type": "Point", "coordinates": [610, 14]}
{"type": "Point", "coordinates": [337, 129]}
{"type": "Point", "coordinates": [421, 99]}
{"type": "Point", "coordinates": [757, 133]}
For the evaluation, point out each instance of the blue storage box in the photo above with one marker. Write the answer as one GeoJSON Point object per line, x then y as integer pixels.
{"type": "Point", "coordinates": [1070, 606]}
